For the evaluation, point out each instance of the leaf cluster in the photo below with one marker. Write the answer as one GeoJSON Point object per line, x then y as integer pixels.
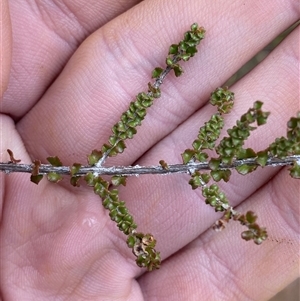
{"type": "Point", "coordinates": [283, 147]}
{"type": "Point", "coordinates": [254, 232]}
{"type": "Point", "coordinates": [143, 245]}
{"type": "Point", "coordinates": [210, 132]}
{"type": "Point", "coordinates": [289, 145]}
{"type": "Point", "coordinates": [229, 148]}
{"type": "Point", "coordinates": [143, 248]}
{"type": "Point", "coordinates": [126, 127]}
{"type": "Point", "coordinates": [184, 50]}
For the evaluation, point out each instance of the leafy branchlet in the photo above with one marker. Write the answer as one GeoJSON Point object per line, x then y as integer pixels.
{"type": "Point", "coordinates": [184, 50]}
{"type": "Point", "coordinates": [254, 232]}
{"type": "Point", "coordinates": [142, 244]}
{"type": "Point", "coordinates": [133, 117]}
{"type": "Point", "coordinates": [285, 146]}
{"type": "Point", "coordinates": [228, 149]}
{"type": "Point", "coordinates": [143, 248]}
{"type": "Point", "coordinates": [231, 147]}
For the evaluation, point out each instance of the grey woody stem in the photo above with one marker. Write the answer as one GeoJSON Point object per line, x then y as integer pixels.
{"type": "Point", "coordinates": [139, 170]}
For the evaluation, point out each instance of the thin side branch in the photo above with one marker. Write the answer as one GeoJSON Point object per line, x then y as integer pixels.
{"type": "Point", "coordinates": [157, 83]}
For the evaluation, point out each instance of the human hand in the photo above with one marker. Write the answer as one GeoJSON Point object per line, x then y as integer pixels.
{"type": "Point", "coordinates": [57, 241]}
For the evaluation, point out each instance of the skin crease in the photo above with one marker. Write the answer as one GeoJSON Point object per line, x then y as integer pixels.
{"type": "Point", "coordinates": [74, 70]}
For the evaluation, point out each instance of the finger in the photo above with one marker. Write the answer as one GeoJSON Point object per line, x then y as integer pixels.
{"type": "Point", "coordinates": [110, 68]}
{"type": "Point", "coordinates": [167, 206]}
{"type": "Point", "coordinates": [9, 139]}
{"type": "Point", "coordinates": [49, 235]}
{"type": "Point", "coordinates": [223, 266]}
{"type": "Point", "coordinates": [45, 37]}
{"type": "Point", "coordinates": [5, 47]}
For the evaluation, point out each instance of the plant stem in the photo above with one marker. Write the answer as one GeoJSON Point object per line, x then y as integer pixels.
{"type": "Point", "coordinates": [140, 170]}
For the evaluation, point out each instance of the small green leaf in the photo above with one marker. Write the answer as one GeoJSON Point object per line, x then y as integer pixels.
{"type": "Point", "coordinates": [169, 61]}
{"type": "Point", "coordinates": [219, 175]}
{"type": "Point", "coordinates": [187, 155]}
{"type": "Point", "coordinates": [54, 177]}
{"type": "Point", "coordinates": [197, 144]}
{"type": "Point", "coordinates": [245, 169]}
{"type": "Point", "coordinates": [118, 180]}
{"type": "Point", "coordinates": [227, 160]}
{"type": "Point", "coordinates": [192, 50]}
{"type": "Point", "coordinates": [183, 46]}
{"type": "Point", "coordinates": [258, 105]}
{"type": "Point", "coordinates": [214, 163]}
{"type": "Point", "coordinates": [173, 49]}
{"type": "Point", "coordinates": [36, 178]}
{"type": "Point", "coordinates": [74, 181]}
{"type": "Point", "coordinates": [251, 217]}
{"type": "Point", "coordinates": [121, 127]}
{"type": "Point", "coordinates": [157, 72]}
{"type": "Point", "coordinates": [261, 237]}
{"type": "Point", "coordinates": [195, 182]}
{"type": "Point", "coordinates": [147, 102]}
{"type": "Point", "coordinates": [90, 179]}
{"type": "Point", "coordinates": [295, 170]}
{"type": "Point", "coordinates": [201, 156]}
{"type": "Point", "coordinates": [262, 158]}
{"type": "Point", "coordinates": [199, 179]}
{"type": "Point", "coordinates": [223, 99]}
{"type": "Point", "coordinates": [112, 139]}
{"type": "Point", "coordinates": [194, 26]}
{"type": "Point", "coordinates": [246, 153]}
{"type": "Point", "coordinates": [75, 168]}
{"type": "Point", "coordinates": [247, 235]}
{"type": "Point", "coordinates": [120, 146]}
{"type": "Point", "coordinates": [177, 70]}
{"type": "Point", "coordinates": [262, 118]}
{"type": "Point", "coordinates": [185, 57]}
{"type": "Point", "coordinates": [131, 132]}
{"type": "Point", "coordinates": [205, 177]}
{"type": "Point", "coordinates": [131, 240]}
{"type": "Point", "coordinates": [54, 161]}
{"type": "Point", "coordinates": [95, 156]}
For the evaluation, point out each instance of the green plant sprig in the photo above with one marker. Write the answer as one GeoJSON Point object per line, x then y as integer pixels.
{"type": "Point", "coordinates": [283, 151]}
{"type": "Point", "coordinates": [210, 132]}
{"type": "Point", "coordinates": [285, 146]}
{"type": "Point", "coordinates": [142, 245]}
{"type": "Point", "coordinates": [228, 149]}
{"type": "Point", "coordinates": [133, 117]}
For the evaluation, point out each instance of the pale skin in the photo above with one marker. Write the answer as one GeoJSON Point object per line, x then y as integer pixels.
{"type": "Point", "coordinates": [68, 70]}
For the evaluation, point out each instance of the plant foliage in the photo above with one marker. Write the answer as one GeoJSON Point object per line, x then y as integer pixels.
{"type": "Point", "coordinates": [229, 150]}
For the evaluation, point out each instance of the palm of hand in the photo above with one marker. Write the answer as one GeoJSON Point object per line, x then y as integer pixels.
{"type": "Point", "coordinates": [57, 242]}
